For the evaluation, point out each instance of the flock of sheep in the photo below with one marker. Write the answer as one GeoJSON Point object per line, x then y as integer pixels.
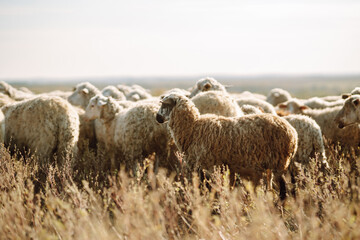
{"type": "Point", "coordinates": [256, 136]}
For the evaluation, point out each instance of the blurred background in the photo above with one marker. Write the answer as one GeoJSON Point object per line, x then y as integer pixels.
{"type": "Point", "coordinates": [307, 47]}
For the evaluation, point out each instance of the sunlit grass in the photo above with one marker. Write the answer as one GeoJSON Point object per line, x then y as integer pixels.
{"type": "Point", "coordinates": [91, 203]}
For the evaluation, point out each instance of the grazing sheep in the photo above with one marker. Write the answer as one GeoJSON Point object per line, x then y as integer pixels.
{"type": "Point", "coordinates": [265, 106]}
{"type": "Point", "coordinates": [349, 137]}
{"type": "Point", "coordinates": [248, 144]}
{"type": "Point", "coordinates": [44, 126]}
{"type": "Point", "coordinates": [14, 93]}
{"type": "Point", "coordinates": [349, 114]}
{"type": "Point", "coordinates": [310, 142]}
{"type": "Point", "coordinates": [207, 84]}
{"type": "Point", "coordinates": [318, 103]}
{"type": "Point", "coordinates": [112, 91]}
{"type": "Point", "coordinates": [277, 96]}
{"type": "Point", "coordinates": [82, 94]}
{"type": "Point", "coordinates": [216, 102]}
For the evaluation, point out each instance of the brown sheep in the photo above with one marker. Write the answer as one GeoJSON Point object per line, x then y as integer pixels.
{"type": "Point", "coordinates": [254, 142]}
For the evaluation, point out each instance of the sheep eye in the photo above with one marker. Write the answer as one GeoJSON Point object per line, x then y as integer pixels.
{"type": "Point", "coordinates": [92, 106]}
{"type": "Point", "coordinates": [74, 89]}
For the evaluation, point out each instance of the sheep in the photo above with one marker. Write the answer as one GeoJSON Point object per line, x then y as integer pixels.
{"type": "Point", "coordinates": [176, 90]}
{"type": "Point", "coordinates": [44, 126]}
{"type": "Point", "coordinates": [82, 94]}
{"type": "Point", "coordinates": [130, 134]}
{"type": "Point", "coordinates": [318, 103]}
{"type": "Point", "coordinates": [104, 110]}
{"type": "Point", "coordinates": [349, 137]}
{"type": "Point", "coordinates": [138, 94]}
{"type": "Point", "coordinates": [247, 144]}
{"type": "Point", "coordinates": [349, 115]}
{"type": "Point", "coordinates": [267, 107]}
{"type": "Point", "coordinates": [14, 93]}
{"type": "Point", "coordinates": [138, 134]}
{"type": "Point", "coordinates": [218, 103]}
{"type": "Point", "coordinates": [112, 91]}
{"type": "Point", "coordinates": [207, 84]}
{"type": "Point", "coordinates": [278, 95]}
{"type": "Point", "coordinates": [310, 142]}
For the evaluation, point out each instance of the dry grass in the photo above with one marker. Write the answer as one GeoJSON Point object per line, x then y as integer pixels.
{"type": "Point", "coordinates": [90, 204]}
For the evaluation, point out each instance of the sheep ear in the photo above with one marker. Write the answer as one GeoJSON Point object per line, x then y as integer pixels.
{"type": "Point", "coordinates": [207, 86]}
{"type": "Point", "coordinates": [356, 102]}
{"type": "Point", "coordinates": [346, 95]}
{"type": "Point", "coordinates": [101, 102]}
{"type": "Point", "coordinates": [281, 105]}
{"type": "Point", "coordinates": [85, 91]}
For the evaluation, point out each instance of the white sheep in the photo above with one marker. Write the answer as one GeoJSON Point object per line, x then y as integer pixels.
{"type": "Point", "coordinates": [207, 84]}
{"type": "Point", "coordinates": [44, 126]}
{"type": "Point", "coordinates": [349, 114]}
{"type": "Point", "coordinates": [325, 119]}
{"type": "Point", "coordinates": [217, 102]}
{"type": "Point", "coordinates": [82, 94]}
{"type": "Point", "coordinates": [14, 93]}
{"type": "Point", "coordinates": [278, 95]}
{"type": "Point", "coordinates": [310, 143]}
{"type": "Point", "coordinates": [130, 134]}
{"type": "Point", "coordinates": [112, 91]}
{"type": "Point", "coordinates": [265, 106]}
{"type": "Point", "coordinates": [247, 145]}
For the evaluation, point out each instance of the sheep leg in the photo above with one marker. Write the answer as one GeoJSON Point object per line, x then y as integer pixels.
{"type": "Point", "coordinates": [282, 185]}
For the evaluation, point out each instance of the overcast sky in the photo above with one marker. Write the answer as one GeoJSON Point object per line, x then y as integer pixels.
{"type": "Point", "coordinates": [65, 39]}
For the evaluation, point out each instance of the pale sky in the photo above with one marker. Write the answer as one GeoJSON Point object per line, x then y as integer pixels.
{"type": "Point", "coordinates": [66, 39]}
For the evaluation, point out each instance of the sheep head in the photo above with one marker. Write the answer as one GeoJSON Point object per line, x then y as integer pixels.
{"type": "Point", "coordinates": [350, 112]}
{"type": "Point", "coordinates": [82, 94]}
{"type": "Point", "coordinates": [292, 106]}
{"type": "Point", "coordinates": [168, 102]}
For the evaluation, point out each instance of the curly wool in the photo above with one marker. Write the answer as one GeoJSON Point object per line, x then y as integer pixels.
{"type": "Point", "coordinates": [254, 142]}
